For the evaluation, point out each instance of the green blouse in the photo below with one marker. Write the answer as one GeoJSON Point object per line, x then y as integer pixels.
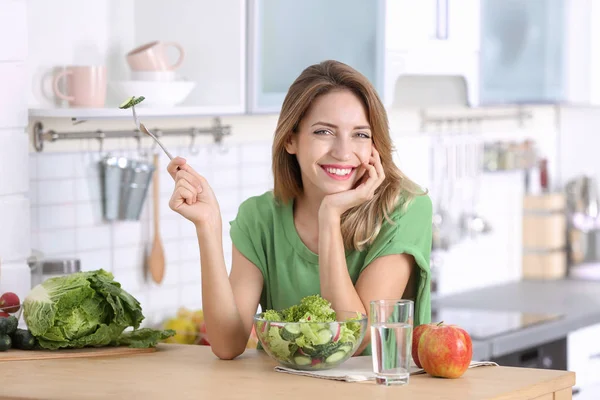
{"type": "Point", "coordinates": [264, 232]}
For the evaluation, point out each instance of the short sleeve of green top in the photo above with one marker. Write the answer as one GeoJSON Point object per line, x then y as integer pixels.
{"type": "Point", "coordinates": [264, 232]}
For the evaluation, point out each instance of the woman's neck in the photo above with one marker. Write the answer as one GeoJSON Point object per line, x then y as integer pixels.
{"type": "Point", "coordinates": [307, 206]}
{"type": "Point", "coordinates": [306, 220]}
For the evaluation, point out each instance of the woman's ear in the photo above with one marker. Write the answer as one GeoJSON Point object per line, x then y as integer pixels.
{"type": "Point", "coordinates": [291, 144]}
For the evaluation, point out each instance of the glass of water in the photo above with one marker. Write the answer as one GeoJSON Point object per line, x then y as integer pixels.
{"type": "Point", "coordinates": [391, 340]}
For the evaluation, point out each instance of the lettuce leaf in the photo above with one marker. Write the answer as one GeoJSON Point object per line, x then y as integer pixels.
{"type": "Point", "coordinates": [311, 308]}
{"type": "Point", "coordinates": [277, 345]}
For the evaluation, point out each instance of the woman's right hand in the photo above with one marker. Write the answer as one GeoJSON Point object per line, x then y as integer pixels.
{"type": "Point", "coordinates": [193, 197]}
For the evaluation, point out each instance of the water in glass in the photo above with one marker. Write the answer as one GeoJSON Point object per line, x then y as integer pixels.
{"type": "Point", "coordinates": [391, 347]}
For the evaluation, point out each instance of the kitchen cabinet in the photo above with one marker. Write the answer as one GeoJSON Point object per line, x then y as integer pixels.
{"type": "Point", "coordinates": [244, 54]}
{"type": "Point", "coordinates": [286, 36]}
{"type": "Point", "coordinates": [212, 34]}
{"type": "Point", "coordinates": [539, 51]}
{"type": "Point", "coordinates": [445, 62]}
{"type": "Point", "coordinates": [432, 25]}
{"type": "Point", "coordinates": [583, 355]}
{"type": "Point", "coordinates": [387, 39]}
{"type": "Point", "coordinates": [432, 38]}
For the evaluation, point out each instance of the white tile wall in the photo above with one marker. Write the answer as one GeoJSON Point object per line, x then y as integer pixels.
{"type": "Point", "coordinates": [15, 277]}
{"type": "Point", "coordinates": [14, 227]}
{"type": "Point", "coordinates": [14, 172]}
{"type": "Point", "coordinates": [15, 221]}
{"type": "Point", "coordinates": [13, 96]}
{"type": "Point", "coordinates": [67, 219]}
{"type": "Point", "coordinates": [13, 30]}
{"type": "Point", "coordinates": [580, 143]}
{"type": "Point", "coordinates": [495, 257]}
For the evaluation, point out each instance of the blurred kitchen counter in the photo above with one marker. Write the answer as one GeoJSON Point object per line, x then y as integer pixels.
{"type": "Point", "coordinates": [577, 300]}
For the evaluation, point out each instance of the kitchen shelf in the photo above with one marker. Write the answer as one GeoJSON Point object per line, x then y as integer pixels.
{"type": "Point", "coordinates": [117, 113]}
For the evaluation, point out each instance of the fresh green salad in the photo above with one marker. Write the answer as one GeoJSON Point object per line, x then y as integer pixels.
{"type": "Point", "coordinates": [309, 334]}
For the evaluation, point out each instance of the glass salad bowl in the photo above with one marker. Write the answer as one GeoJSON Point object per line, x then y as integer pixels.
{"type": "Point", "coordinates": [312, 345]}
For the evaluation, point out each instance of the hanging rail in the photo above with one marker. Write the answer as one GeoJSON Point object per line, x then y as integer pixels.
{"type": "Point", "coordinates": [475, 115]}
{"type": "Point", "coordinates": [217, 130]}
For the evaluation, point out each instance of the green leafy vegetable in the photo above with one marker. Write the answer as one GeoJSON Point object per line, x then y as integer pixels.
{"type": "Point", "coordinates": [272, 315]}
{"type": "Point", "coordinates": [308, 334]}
{"type": "Point", "coordinates": [131, 101]}
{"type": "Point", "coordinates": [85, 309]}
{"type": "Point", "coordinates": [279, 346]}
{"type": "Point", "coordinates": [144, 337]}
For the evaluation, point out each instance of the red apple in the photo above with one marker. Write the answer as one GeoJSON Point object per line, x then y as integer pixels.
{"type": "Point", "coordinates": [10, 302]}
{"type": "Point", "coordinates": [445, 351]}
{"type": "Point", "coordinates": [417, 332]}
{"type": "Point", "coordinates": [4, 314]}
{"type": "Point", "coordinates": [203, 336]}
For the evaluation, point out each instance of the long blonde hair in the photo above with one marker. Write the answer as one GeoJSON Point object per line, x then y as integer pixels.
{"type": "Point", "coordinates": [361, 224]}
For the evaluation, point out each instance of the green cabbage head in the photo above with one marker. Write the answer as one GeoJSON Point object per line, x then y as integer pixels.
{"type": "Point", "coordinates": [85, 309]}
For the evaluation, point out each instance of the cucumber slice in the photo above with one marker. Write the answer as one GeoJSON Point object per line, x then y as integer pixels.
{"type": "Point", "coordinates": [132, 101]}
{"type": "Point", "coordinates": [302, 360]}
{"type": "Point", "coordinates": [335, 357]}
{"type": "Point", "coordinates": [324, 336]}
{"type": "Point", "coordinates": [325, 350]}
{"type": "Point", "coordinates": [127, 103]}
{"type": "Point", "coordinates": [345, 348]}
{"type": "Point", "coordinates": [290, 332]}
{"type": "Point", "coordinates": [294, 329]}
{"type": "Point", "coordinates": [309, 351]}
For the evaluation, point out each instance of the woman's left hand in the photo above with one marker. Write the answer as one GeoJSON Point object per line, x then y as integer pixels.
{"type": "Point", "coordinates": [373, 177]}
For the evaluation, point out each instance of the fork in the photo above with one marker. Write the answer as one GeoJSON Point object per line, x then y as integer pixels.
{"type": "Point", "coordinates": [143, 128]}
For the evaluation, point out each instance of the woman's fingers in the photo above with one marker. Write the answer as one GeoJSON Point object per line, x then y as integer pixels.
{"type": "Point", "coordinates": [188, 168]}
{"type": "Point", "coordinates": [174, 164]}
{"type": "Point", "coordinates": [187, 191]}
{"type": "Point", "coordinates": [189, 177]}
{"type": "Point", "coordinates": [376, 162]}
{"type": "Point", "coordinates": [180, 196]}
{"type": "Point", "coordinates": [179, 169]}
{"type": "Point", "coordinates": [370, 184]}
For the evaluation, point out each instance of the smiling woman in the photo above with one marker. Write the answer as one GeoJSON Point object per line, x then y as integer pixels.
{"type": "Point", "coordinates": [342, 221]}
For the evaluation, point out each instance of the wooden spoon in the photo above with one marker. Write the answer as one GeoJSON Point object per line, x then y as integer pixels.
{"type": "Point", "coordinates": [156, 260]}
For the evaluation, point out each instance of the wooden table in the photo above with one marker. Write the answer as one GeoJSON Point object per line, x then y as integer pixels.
{"type": "Point", "coordinates": [186, 371]}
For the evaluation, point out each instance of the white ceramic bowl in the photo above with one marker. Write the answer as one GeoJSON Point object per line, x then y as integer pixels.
{"type": "Point", "coordinates": [162, 76]}
{"type": "Point", "coordinates": [156, 93]}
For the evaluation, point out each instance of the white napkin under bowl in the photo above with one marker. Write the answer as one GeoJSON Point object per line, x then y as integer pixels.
{"type": "Point", "coordinates": [360, 369]}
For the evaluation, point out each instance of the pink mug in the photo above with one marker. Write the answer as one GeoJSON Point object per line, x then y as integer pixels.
{"type": "Point", "coordinates": [153, 57]}
{"type": "Point", "coordinates": [86, 86]}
